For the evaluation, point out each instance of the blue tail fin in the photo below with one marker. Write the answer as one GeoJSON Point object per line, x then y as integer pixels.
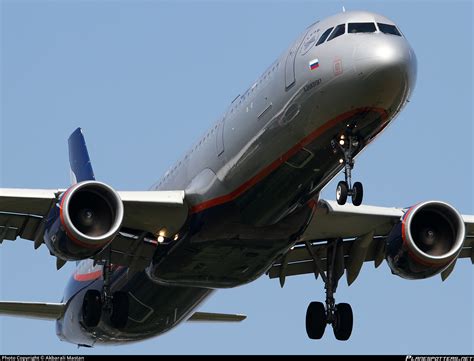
{"type": "Point", "coordinates": [79, 161]}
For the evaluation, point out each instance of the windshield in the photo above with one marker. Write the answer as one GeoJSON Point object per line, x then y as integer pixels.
{"type": "Point", "coordinates": [361, 28]}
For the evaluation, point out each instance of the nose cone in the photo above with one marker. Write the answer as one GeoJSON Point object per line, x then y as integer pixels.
{"type": "Point", "coordinates": [387, 65]}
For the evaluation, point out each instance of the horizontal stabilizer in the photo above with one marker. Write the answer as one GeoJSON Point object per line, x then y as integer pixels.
{"type": "Point", "coordinates": [45, 311]}
{"type": "Point", "coordinates": [216, 317]}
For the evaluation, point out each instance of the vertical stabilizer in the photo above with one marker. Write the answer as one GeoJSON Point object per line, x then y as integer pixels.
{"type": "Point", "coordinates": [79, 161]}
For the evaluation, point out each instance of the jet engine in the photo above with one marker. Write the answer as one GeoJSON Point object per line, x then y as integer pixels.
{"type": "Point", "coordinates": [84, 221]}
{"type": "Point", "coordinates": [426, 241]}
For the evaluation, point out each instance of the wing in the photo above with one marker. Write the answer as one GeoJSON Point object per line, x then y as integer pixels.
{"type": "Point", "coordinates": [54, 311]}
{"type": "Point", "coordinates": [23, 212]}
{"type": "Point", "coordinates": [363, 231]}
{"type": "Point", "coordinates": [45, 311]}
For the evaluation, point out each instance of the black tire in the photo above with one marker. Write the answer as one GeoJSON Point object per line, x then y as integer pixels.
{"type": "Point", "coordinates": [343, 321]}
{"type": "Point", "coordinates": [91, 308]}
{"type": "Point", "coordinates": [357, 193]}
{"type": "Point", "coordinates": [120, 305]}
{"type": "Point", "coordinates": [341, 192]}
{"type": "Point", "coordinates": [315, 320]}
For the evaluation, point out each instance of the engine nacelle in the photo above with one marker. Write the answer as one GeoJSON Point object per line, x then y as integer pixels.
{"type": "Point", "coordinates": [427, 240]}
{"type": "Point", "coordinates": [85, 220]}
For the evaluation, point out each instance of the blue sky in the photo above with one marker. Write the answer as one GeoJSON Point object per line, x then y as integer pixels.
{"type": "Point", "coordinates": [146, 78]}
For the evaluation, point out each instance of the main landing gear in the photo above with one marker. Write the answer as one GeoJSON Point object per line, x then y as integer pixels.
{"type": "Point", "coordinates": [318, 314]}
{"type": "Point", "coordinates": [116, 305]}
{"type": "Point", "coordinates": [348, 144]}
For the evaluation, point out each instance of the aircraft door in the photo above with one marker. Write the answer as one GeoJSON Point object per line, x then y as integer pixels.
{"type": "Point", "coordinates": [290, 63]}
{"type": "Point", "coordinates": [220, 137]}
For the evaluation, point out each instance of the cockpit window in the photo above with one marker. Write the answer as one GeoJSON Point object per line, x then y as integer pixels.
{"type": "Point", "coordinates": [361, 28]}
{"type": "Point", "coordinates": [338, 31]}
{"type": "Point", "coordinates": [389, 29]}
{"type": "Point", "coordinates": [323, 37]}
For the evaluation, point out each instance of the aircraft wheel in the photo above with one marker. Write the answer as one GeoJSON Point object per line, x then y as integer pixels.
{"type": "Point", "coordinates": [343, 321]}
{"type": "Point", "coordinates": [91, 308]}
{"type": "Point", "coordinates": [357, 193]}
{"type": "Point", "coordinates": [120, 306]}
{"type": "Point", "coordinates": [315, 320]}
{"type": "Point", "coordinates": [341, 192]}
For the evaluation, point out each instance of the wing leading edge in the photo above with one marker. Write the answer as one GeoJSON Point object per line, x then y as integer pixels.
{"type": "Point", "coordinates": [363, 231]}
{"type": "Point", "coordinates": [23, 212]}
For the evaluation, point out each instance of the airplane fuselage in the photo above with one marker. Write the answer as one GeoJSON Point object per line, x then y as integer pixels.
{"type": "Point", "coordinates": [251, 180]}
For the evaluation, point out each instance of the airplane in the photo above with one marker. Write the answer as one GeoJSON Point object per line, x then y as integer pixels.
{"type": "Point", "coordinates": [244, 201]}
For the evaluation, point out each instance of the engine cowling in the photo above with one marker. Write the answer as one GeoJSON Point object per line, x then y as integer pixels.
{"type": "Point", "coordinates": [426, 241]}
{"type": "Point", "coordinates": [84, 221]}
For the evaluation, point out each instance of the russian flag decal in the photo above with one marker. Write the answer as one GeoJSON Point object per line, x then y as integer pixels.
{"type": "Point", "coordinates": [314, 64]}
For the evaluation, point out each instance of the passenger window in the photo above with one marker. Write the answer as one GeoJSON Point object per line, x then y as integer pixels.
{"type": "Point", "coordinates": [361, 28]}
{"type": "Point", "coordinates": [338, 31]}
{"type": "Point", "coordinates": [388, 29]}
{"type": "Point", "coordinates": [323, 37]}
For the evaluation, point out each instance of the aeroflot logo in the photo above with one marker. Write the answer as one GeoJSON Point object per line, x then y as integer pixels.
{"type": "Point", "coordinates": [314, 64]}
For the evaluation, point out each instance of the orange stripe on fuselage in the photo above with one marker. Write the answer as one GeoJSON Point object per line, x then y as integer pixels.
{"type": "Point", "coordinates": [282, 159]}
{"type": "Point", "coordinates": [82, 277]}
{"type": "Point", "coordinates": [91, 276]}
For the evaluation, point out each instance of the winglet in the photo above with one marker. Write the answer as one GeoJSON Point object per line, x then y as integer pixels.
{"type": "Point", "coordinates": [79, 161]}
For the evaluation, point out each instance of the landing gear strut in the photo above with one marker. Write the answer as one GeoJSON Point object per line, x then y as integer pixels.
{"type": "Point", "coordinates": [116, 304]}
{"type": "Point", "coordinates": [318, 315]}
{"type": "Point", "coordinates": [96, 302]}
{"type": "Point", "coordinates": [348, 144]}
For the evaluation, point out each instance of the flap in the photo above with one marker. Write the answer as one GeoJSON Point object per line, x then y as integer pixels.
{"type": "Point", "coordinates": [14, 225]}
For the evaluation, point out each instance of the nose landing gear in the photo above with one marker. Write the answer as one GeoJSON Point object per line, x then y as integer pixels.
{"type": "Point", "coordinates": [348, 145]}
